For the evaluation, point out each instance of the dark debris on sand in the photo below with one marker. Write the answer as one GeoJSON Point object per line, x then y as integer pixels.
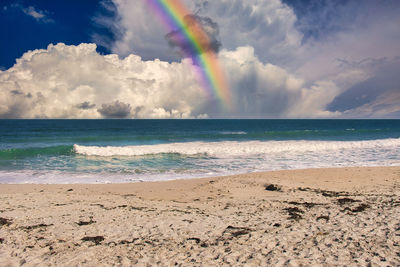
{"type": "Point", "coordinates": [325, 193]}
{"type": "Point", "coordinates": [5, 221]}
{"type": "Point", "coordinates": [236, 231]}
{"type": "Point", "coordinates": [32, 227]}
{"type": "Point", "coordinates": [196, 239]}
{"type": "Point", "coordinates": [323, 217]}
{"type": "Point", "coordinates": [346, 200]}
{"type": "Point", "coordinates": [80, 223]}
{"type": "Point", "coordinates": [294, 213]}
{"type": "Point", "coordinates": [272, 187]}
{"type": "Point", "coordinates": [305, 204]}
{"type": "Point", "coordinates": [123, 242]}
{"type": "Point", "coordinates": [95, 239]}
{"type": "Point", "coordinates": [359, 208]}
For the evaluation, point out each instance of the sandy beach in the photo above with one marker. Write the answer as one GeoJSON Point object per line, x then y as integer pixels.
{"type": "Point", "coordinates": [314, 217]}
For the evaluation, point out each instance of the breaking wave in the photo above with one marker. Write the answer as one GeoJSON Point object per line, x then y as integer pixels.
{"type": "Point", "coordinates": [237, 149]}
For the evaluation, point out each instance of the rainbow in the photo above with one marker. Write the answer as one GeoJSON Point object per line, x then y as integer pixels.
{"type": "Point", "coordinates": [210, 74]}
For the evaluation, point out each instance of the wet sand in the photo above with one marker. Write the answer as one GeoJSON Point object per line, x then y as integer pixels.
{"type": "Point", "coordinates": [327, 217]}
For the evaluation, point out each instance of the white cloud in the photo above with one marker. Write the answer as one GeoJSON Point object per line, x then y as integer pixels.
{"type": "Point", "coordinates": [38, 15]}
{"type": "Point", "coordinates": [313, 101]}
{"type": "Point", "coordinates": [137, 31]}
{"type": "Point", "coordinates": [268, 26]}
{"type": "Point", "coordinates": [264, 90]}
{"type": "Point", "coordinates": [258, 89]}
{"type": "Point", "coordinates": [265, 25]}
{"type": "Point", "coordinates": [76, 82]}
{"type": "Point", "coordinates": [54, 82]}
{"type": "Point", "coordinates": [31, 11]}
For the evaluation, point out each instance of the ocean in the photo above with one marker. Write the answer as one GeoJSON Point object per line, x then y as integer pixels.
{"type": "Point", "coordinates": [119, 151]}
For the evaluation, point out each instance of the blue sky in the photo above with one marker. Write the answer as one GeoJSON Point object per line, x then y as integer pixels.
{"type": "Point", "coordinates": [70, 22]}
{"type": "Point", "coordinates": [73, 22]}
{"type": "Point", "coordinates": [283, 58]}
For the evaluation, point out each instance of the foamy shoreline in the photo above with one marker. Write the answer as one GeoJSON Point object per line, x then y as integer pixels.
{"type": "Point", "coordinates": [340, 216]}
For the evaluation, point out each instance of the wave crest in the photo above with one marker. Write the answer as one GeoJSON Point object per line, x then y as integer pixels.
{"type": "Point", "coordinates": [234, 148]}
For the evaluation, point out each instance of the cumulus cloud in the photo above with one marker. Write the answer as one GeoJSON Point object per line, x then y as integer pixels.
{"type": "Point", "coordinates": [259, 89]}
{"type": "Point", "coordinates": [267, 26]}
{"type": "Point", "coordinates": [136, 31]}
{"type": "Point", "coordinates": [264, 90]}
{"type": "Point", "coordinates": [52, 83]}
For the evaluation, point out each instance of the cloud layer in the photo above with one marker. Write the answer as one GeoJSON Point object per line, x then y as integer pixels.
{"type": "Point", "coordinates": [76, 82]}
{"type": "Point", "coordinates": [275, 70]}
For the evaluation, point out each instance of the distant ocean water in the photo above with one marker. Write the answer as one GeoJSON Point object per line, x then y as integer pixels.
{"type": "Point", "coordinates": [115, 151]}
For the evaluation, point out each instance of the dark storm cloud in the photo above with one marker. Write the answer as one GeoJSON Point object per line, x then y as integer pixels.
{"type": "Point", "coordinates": [210, 27]}
{"type": "Point", "coordinates": [115, 110]}
{"type": "Point", "coordinates": [85, 105]}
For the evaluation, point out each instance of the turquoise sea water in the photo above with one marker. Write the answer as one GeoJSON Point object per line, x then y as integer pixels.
{"type": "Point", "coordinates": [110, 151]}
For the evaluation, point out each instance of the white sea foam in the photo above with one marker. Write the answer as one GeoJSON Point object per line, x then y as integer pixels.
{"type": "Point", "coordinates": [234, 133]}
{"type": "Point", "coordinates": [115, 164]}
{"type": "Point", "coordinates": [61, 177]}
{"type": "Point", "coordinates": [237, 149]}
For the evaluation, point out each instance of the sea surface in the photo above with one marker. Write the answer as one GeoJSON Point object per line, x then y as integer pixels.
{"type": "Point", "coordinates": [117, 151]}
